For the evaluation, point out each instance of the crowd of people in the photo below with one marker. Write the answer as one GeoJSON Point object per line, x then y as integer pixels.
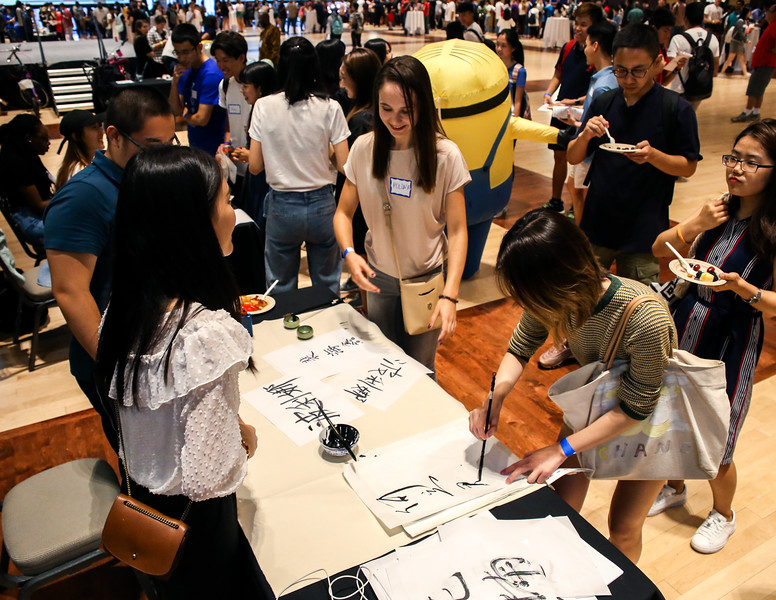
{"type": "Point", "coordinates": [325, 145]}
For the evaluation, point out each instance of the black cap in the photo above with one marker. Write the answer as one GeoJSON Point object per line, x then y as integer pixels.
{"type": "Point", "coordinates": [73, 122]}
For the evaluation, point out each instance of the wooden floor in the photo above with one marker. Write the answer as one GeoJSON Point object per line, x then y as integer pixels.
{"type": "Point", "coordinates": [745, 569]}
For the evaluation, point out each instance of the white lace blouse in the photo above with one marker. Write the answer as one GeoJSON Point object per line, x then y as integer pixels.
{"type": "Point", "coordinates": [182, 434]}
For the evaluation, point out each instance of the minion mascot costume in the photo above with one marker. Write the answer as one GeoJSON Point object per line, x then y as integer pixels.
{"type": "Point", "coordinates": [471, 90]}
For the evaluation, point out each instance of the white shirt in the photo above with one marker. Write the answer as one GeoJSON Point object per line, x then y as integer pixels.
{"type": "Point", "coordinates": [680, 44]}
{"type": "Point", "coordinates": [712, 12]}
{"type": "Point", "coordinates": [182, 433]}
{"type": "Point", "coordinates": [449, 11]}
{"type": "Point", "coordinates": [470, 34]}
{"type": "Point", "coordinates": [295, 140]}
{"type": "Point", "coordinates": [238, 111]}
{"type": "Point", "coordinates": [499, 9]}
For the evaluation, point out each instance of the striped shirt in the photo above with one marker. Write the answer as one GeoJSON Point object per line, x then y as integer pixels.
{"type": "Point", "coordinates": [649, 337]}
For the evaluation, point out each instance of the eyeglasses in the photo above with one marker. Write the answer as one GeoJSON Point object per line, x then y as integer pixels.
{"type": "Point", "coordinates": [747, 166]}
{"type": "Point", "coordinates": [622, 73]}
{"type": "Point", "coordinates": [173, 142]}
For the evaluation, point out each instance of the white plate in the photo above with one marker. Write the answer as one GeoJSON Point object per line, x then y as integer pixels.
{"type": "Point", "coordinates": [270, 303]}
{"type": "Point", "coordinates": [618, 148]}
{"type": "Point", "coordinates": [678, 270]}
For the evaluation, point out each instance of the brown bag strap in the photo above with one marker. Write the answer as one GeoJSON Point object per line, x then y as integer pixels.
{"type": "Point", "coordinates": [619, 331]}
{"type": "Point", "coordinates": [387, 212]}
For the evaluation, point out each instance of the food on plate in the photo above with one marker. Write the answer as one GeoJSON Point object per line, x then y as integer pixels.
{"type": "Point", "coordinates": [698, 274]}
{"type": "Point", "coordinates": [252, 303]}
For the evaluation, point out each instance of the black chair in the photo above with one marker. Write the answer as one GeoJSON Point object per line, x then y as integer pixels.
{"type": "Point", "coordinates": [30, 294]}
{"type": "Point", "coordinates": [5, 208]}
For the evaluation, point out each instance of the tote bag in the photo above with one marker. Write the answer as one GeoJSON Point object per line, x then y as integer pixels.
{"type": "Point", "coordinates": [685, 436]}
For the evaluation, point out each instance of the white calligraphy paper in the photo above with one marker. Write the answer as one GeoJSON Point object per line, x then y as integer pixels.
{"type": "Point", "coordinates": [324, 355]}
{"type": "Point", "coordinates": [291, 404]}
{"type": "Point", "coordinates": [428, 473]}
{"type": "Point", "coordinates": [379, 381]}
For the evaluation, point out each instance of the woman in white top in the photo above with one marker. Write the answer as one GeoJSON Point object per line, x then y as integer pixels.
{"type": "Point", "coordinates": [408, 158]}
{"type": "Point", "coordinates": [171, 349]}
{"type": "Point", "coordinates": [292, 132]}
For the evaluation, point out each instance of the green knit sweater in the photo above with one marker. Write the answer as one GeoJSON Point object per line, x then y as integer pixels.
{"type": "Point", "coordinates": [649, 337]}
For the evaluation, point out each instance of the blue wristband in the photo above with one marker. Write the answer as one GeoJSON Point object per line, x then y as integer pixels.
{"type": "Point", "coordinates": [566, 447]}
{"type": "Point", "coordinates": [347, 250]}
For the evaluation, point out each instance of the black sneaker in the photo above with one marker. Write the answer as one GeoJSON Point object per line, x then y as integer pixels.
{"type": "Point", "coordinates": [555, 204]}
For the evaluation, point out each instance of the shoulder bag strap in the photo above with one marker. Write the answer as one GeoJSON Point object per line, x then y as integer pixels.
{"type": "Point", "coordinates": [619, 331]}
{"type": "Point", "coordinates": [387, 211]}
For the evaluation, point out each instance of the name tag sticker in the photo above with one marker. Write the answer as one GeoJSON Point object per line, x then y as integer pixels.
{"type": "Point", "coordinates": [401, 187]}
{"type": "Point", "coordinates": [234, 109]}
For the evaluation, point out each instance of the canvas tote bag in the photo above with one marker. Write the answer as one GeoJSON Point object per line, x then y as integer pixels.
{"type": "Point", "coordinates": [419, 295]}
{"type": "Point", "coordinates": [685, 436]}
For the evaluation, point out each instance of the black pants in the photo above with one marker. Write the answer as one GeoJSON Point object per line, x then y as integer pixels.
{"type": "Point", "coordinates": [217, 561]}
{"type": "Point", "coordinates": [104, 408]}
{"type": "Point", "coordinates": [355, 39]}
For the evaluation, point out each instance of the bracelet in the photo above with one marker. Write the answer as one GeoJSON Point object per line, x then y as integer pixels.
{"type": "Point", "coordinates": [679, 233]}
{"type": "Point", "coordinates": [443, 297]}
{"type": "Point", "coordinates": [346, 252]}
{"type": "Point", "coordinates": [756, 298]}
{"type": "Point", "coordinates": [547, 94]}
{"type": "Point", "coordinates": [566, 447]}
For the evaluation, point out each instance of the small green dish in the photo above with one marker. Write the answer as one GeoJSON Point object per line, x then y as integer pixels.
{"type": "Point", "coordinates": [290, 321]}
{"type": "Point", "coordinates": [304, 332]}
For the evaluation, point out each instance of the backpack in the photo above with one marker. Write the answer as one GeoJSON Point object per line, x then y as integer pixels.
{"type": "Point", "coordinates": [489, 43]}
{"type": "Point", "coordinates": [700, 75]}
{"type": "Point", "coordinates": [356, 22]}
{"type": "Point", "coordinates": [739, 31]}
{"type": "Point", "coordinates": [522, 107]}
{"type": "Point", "coordinates": [336, 25]}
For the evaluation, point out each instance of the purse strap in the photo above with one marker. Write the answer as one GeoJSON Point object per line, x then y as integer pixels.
{"type": "Point", "coordinates": [387, 211]}
{"type": "Point", "coordinates": [619, 330]}
{"type": "Point", "coordinates": [124, 459]}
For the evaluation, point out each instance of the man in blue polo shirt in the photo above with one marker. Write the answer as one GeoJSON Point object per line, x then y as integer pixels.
{"type": "Point", "coordinates": [627, 202]}
{"type": "Point", "coordinates": [194, 91]}
{"type": "Point", "coordinates": [79, 229]}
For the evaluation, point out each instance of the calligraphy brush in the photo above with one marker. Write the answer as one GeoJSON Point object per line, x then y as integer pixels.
{"type": "Point", "coordinates": [487, 424]}
{"type": "Point", "coordinates": [336, 431]}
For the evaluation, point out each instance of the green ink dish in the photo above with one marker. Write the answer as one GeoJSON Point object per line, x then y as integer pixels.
{"type": "Point", "coordinates": [305, 332]}
{"type": "Point", "coordinates": [290, 321]}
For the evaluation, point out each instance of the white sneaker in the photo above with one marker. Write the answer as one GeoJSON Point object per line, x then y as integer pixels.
{"type": "Point", "coordinates": [667, 498]}
{"type": "Point", "coordinates": [713, 534]}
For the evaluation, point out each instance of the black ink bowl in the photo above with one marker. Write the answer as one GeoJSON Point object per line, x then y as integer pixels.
{"type": "Point", "coordinates": [333, 445]}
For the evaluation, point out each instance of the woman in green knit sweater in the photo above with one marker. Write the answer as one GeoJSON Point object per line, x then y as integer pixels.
{"type": "Point", "coordinates": [547, 265]}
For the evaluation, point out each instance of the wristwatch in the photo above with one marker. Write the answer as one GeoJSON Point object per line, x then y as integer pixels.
{"type": "Point", "coordinates": [756, 298]}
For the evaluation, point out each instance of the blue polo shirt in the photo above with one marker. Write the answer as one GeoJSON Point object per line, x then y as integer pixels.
{"type": "Point", "coordinates": [627, 204]}
{"type": "Point", "coordinates": [575, 73]}
{"type": "Point", "coordinates": [200, 86]}
{"type": "Point", "coordinates": [80, 218]}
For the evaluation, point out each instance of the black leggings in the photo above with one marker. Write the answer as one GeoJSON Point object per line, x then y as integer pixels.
{"type": "Point", "coordinates": [355, 39]}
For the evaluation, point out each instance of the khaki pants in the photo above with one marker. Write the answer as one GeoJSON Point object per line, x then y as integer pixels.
{"type": "Point", "coordinates": [639, 266]}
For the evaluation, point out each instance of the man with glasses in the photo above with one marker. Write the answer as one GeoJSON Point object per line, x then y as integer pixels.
{"type": "Point", "coordinates": [194, 92]}
{"type": "Point", "coordinates": [631, 188]}
{"type": "Point", "coordinates": [79, 225]}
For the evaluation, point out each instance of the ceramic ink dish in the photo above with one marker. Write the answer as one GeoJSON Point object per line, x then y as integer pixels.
{"type": "Point", "coordinates": [304, 332]}
{"type": "Point", "coordinates": [290, 321]}
{"type": "Point", "coordinates": [333, 445]}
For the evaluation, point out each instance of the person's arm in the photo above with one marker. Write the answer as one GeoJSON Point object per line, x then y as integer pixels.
{"type": "Point", "coordinates": [255, 158]}
{"type": "Point", "coordinates": [176, 99]}
{"type": "Point", "coordinates": [577, 149]}
{"type": "Point", "coordinates": [71, 274]}
{"type": "Point", "coordinates": [552, 87]}
{"type": "Point", "coordinates": [343, 230]}
{"type": "Point", "coordinates": [341, 155]}
{"type": "Point", "coordinates": [201, 117]}
{"type": "Point", "coordinates": [32, 198]}
{"type": "Point", "coordinates": [746, 291]}
{"type": "Point", "coordinates": [509, 372]}
{"type": "Point", "coordinates": [682, 235]}
{"type": "Point", "coordinates": [458, 240]}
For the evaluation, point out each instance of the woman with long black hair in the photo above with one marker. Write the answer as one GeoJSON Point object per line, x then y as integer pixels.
{"type": "Point", "coordinates": [170, 352]}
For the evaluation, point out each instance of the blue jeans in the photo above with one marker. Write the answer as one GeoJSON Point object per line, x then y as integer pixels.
{"type": "Point", "coordinates": [30, 226]}
{"type": "Point", "coordinates": [294, 218]}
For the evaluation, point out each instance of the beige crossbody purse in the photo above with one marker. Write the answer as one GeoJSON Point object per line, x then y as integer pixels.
{"type": "Point", "coordinates": [419, 295]}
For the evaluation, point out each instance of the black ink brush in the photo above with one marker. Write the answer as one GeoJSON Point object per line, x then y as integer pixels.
{"type": "Point", "coordinates": [336, 432]}
{"type": "Point", "coordinates": [487, 425]}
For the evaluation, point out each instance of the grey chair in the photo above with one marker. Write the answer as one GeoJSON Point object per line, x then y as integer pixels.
{"type": "Point", "coordinates": [52, 523]}
{"type": "Point", "coordinates": [30, 294]}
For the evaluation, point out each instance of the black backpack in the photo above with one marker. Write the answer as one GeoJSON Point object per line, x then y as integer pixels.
{"type": "Point", "coordinates": [489, 43]}
{"type": "Point", "coordinates": [700, 76]}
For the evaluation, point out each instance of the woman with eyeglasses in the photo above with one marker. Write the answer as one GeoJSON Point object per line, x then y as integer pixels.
{"type": "Point", "coordinates": [736, 233]}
